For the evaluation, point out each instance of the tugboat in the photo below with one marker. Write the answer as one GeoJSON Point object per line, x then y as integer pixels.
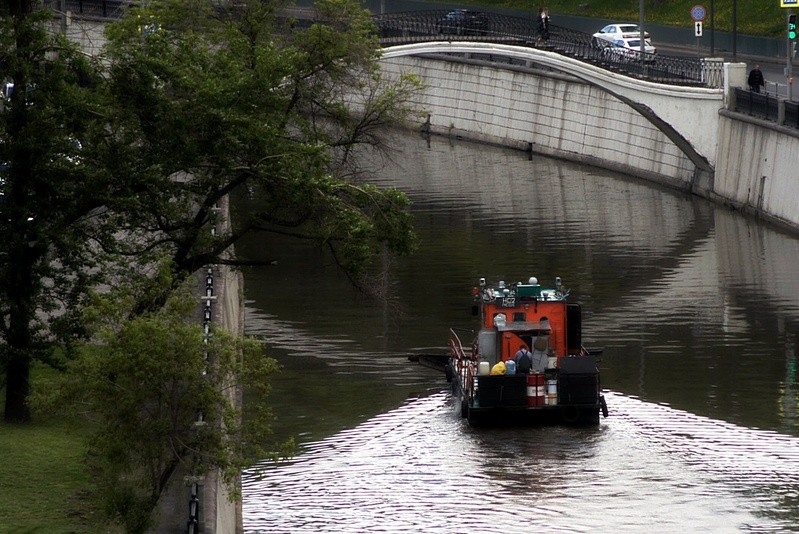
{"type": "Point", "coordinates": [527, 363]}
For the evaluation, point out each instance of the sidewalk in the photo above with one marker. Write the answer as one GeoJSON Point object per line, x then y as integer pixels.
{"type": "Point", "coordinates": [679, 39]}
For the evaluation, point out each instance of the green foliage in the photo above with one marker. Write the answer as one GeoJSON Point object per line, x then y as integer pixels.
{"type": "Point", "coordinates": [50, 194]}
{"type": "Point", "coordinates": [119, 163]}
{"type": "Point", "coordinates": [753, 18]}
{"type": "Point", "coordinates": [142, 384]}
{"type": "Point", "coordinates": [245, 105]}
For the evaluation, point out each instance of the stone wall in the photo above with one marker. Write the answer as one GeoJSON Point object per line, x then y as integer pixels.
{"type": "Point", "coordinates": [758, 169]}
{"type": "Point", "coordinates": [545, 112]}
{"type": "Point", "coordinates": [757, 162]}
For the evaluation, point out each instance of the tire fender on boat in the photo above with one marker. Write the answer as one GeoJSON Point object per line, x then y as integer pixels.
{"type": "Point", "coordinates": [570, 414]}
{"type": "Point", "coordinates": [448, 372]}
{"type": "Point", "coordinates": [604, 405]}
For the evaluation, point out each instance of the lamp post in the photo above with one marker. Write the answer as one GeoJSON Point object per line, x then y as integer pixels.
{"type": "Point", "coordinates": [734, 29]}
{"type": "Point", "coordinates": [641, 27]}
{"type": "Point", "coordinates": [712, 30]}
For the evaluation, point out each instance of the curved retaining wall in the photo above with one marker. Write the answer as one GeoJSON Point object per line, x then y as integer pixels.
{"type": "Point", "coordinates": [758, 169]}
{"type": "Point", "coordinates": [546, 112]}
{"type": "Point", "coordinates": [757, 162]}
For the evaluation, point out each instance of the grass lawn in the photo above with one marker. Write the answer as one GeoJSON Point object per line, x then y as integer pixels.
{"type": "Point", "coordinates": [43, 478]}
{"type": "Point", "coordinates": [753, 18]}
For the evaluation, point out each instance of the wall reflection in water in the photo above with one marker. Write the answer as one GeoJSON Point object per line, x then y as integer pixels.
{"type": "Point", "coordinates": [694, 306]}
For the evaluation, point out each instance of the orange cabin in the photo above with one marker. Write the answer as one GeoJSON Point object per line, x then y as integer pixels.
{"type": "Point", "coordinates": [527, 315]}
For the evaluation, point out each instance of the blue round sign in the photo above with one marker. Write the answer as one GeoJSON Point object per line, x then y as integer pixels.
{"type": "Point", "coordinates": [698, 13]}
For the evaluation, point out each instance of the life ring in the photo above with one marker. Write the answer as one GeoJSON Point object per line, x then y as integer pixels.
{"type": "Point", "coordinates": [604, 405]}
{"type": "Point", "coordinates": [570, 414]}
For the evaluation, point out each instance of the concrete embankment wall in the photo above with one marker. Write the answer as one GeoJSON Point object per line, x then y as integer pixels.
{"type": "Point", "coordinates": [546, 112]}
{"type": "Point", "coordinates": [758, 168]}
{"type": "Point", "coordinates": [216, 512]}
{"type": "Point", "coordinates": [226, 514]}
{"type": "Point", "coordinates": [757, 162]}
{"type": "Point", "coordinates": [220, 513]}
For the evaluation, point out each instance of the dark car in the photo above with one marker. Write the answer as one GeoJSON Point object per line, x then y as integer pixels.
{"type": "Point", "coordinates": [463, 22]}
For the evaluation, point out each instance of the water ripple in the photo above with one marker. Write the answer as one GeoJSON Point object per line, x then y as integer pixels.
{"type": "Point", "coordinates": [418, 467]}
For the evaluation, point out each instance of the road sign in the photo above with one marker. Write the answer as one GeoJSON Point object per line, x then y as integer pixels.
{"type": "Point", "coordinates": [698, 28]}
{"type": "Point", "coordinates": [698, 13]}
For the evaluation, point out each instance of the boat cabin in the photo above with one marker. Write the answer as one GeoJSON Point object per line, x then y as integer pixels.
{"type": "Point", "coordinates": [529, 315]}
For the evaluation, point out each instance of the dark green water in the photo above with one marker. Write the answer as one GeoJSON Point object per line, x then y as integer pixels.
{"type": "Point", "coordinates": [695, 307]}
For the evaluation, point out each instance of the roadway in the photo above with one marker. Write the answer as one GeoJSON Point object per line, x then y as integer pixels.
{"type": "Point", "coordinates": [676, 41]}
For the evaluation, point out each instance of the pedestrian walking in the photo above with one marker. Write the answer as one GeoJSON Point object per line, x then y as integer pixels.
{"type": "Point", "coordinates": [543, 24]}
{"type": "Point", "coordinates": [756, 79]}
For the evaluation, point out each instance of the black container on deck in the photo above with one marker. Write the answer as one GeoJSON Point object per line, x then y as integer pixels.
{"type": "Point", "coordinates": [502, 390]}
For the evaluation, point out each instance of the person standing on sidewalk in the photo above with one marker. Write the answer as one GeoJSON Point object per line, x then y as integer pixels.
{"type": "Point", "coordinates": [543, 25]}
{"type": "Point", "coordinates": [756, 79]}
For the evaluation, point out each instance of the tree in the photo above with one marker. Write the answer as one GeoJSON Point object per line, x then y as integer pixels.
{"type": "Point", "coordinates": [50, 194]}
{"type": "Point", "coordinates": [235, 106]}
{"type": "Point", "coordinates": [132, 153]}
{"type": "Point", "coordinates": [142, 383]}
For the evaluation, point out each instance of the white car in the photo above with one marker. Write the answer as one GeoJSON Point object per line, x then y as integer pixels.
{"type": "Point", "coordinates": [616, 31]}
{"type": "Point", "coordinates": [630, 49]}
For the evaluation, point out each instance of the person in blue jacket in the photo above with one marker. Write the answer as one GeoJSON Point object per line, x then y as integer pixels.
{"type": "Point", "coordinates": [524, 360]}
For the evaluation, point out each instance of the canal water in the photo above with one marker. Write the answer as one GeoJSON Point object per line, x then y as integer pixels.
{"type": "Point", "coordinates": [694, 305]}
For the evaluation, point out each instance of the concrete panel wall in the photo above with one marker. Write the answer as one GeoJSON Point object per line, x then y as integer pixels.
{"type": "Point", "coordinates": [757, 162]}
{"type": "Point", "coordinates": [758, 167]}
{"type": "Point", "coordinates": [554, 114]}
{"type": "Point", "coordinates": [684, 110]}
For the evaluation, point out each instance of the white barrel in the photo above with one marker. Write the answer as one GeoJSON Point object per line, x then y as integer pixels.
{"type": "Point", "coordinates": [484, 369]}
{"type": "Point", "coordinates": [552, 362]}
{"type": "Point", "coordinates": [552, 392]}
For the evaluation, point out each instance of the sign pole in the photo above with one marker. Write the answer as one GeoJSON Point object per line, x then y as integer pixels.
{"type": "Point", "coordinates": [789, 57]}
{"type": "Point", "coordinates": [790, 42]}
{"type": "Point", "coordinates": [641, 31]}
{"type": "Point", "coordinates": [698, 14]}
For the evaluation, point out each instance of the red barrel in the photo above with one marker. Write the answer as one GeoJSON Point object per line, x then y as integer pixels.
{"type": "Point", "coordinates": [536, 389]}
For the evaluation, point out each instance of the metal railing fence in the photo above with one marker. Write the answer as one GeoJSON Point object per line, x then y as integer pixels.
{"type": "Point", "coordinates": [767, 106]}
{"type": "Point", "coordinates": [429, 25]}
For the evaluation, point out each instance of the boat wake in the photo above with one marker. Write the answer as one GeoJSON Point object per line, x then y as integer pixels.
{"type": "Point", "coordinates": [420, 467]}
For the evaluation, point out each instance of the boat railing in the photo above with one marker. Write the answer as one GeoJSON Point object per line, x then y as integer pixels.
{"type": "Point", "coordinates": [465, 362]}
{"type": "Point", "coordinates": [455, 344]}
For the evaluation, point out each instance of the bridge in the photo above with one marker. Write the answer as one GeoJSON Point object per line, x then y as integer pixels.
{"type": "Point", "coordinates": [679, 96]}
{"type": "Point", "coordinates": [431, 25]}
